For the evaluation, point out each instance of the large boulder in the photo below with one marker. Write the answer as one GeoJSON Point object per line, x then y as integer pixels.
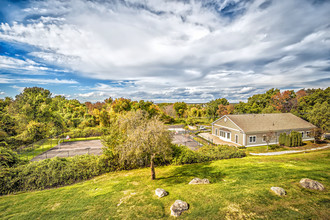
{"type": "Point", "coordinates": [161, 192]}
{"type": "Point", "coordinates": [178, 207]}
{"type": "Point", "coordinates": [278, 191]}
{"type": "Point", "coordinates": [311, 184]}
{"type": "Point", "coordinates": [199, 181]}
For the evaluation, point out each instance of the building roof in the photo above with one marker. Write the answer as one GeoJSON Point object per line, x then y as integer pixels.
{"type": "Point", "coordinates": [269, 122]}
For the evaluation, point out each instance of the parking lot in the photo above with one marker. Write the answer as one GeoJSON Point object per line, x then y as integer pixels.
{"type": "Point", "coordinates": [70, 149]}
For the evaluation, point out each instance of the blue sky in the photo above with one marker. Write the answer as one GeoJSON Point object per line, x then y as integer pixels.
{"type": "Point", "coordinates": [165, 51]}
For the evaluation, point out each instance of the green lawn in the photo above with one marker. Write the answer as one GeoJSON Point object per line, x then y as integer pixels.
{"type": "Point", "coordinates": [240, 189]}
{"type": "Point", "coordinates": [29, 154]}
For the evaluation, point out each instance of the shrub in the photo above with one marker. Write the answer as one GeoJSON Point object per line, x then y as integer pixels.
{"type": "Point", "coordinates": [50, 173]}
{"type": "Point", "coordinates": [183, 155]}
{"type": "Point", "coordinates": [274, 146]}
{"type": "Point", "coordinates": [292, 140]}
{"type": "Point", "coordinates": [86, 132]}
{"type": "Point", "coordinates": [9, 158]}
{"type": "Point", "coordinates": [221, 152]}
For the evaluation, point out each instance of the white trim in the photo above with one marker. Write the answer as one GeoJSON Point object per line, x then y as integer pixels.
{"type": "Point", "coordinates": [302, 134]}
{"type": "Point", "coordinates": [227, 127]}
{"type": "Point", "coordinates": [244, 139]}
{"type": "Point", "coordinates": [230, 120]}
{"type": "Point", "coordinates": [218, 119]}
{"type": "Point", "coordinates": [228, 141]}
{"type": "Point", "coordinates": [255, 138]}
{"type": "Point", "coordinates": [236, 136]}
{"type": "Point", "coordinates": [254, 145]}
{"type": "Point", "coordinates": [235, 123]}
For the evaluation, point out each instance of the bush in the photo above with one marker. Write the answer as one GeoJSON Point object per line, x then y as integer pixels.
{"type": "Point", "coordinates": [274, 146]}
{"type": "Point", "coordinates": [86, 132]}
{"type": "Point", "coordinates": [183, 155]}
{"type": "Point", "coordinates": [9, 158]}
{"type": "Point", "coordinates": [292, 140]}
{"type": "Point", "coordinates": [50, 173]}
{"type": "Point", "coordinates": [221, 152]}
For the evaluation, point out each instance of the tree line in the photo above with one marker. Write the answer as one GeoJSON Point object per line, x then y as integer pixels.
{"type": "Point", "coordinates": [34, 114]}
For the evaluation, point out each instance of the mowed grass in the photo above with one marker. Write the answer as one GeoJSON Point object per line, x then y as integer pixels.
{"type": "Point", "coordinates": [306, 145]}
{"type": "Point", "coordinates": [239, 189]}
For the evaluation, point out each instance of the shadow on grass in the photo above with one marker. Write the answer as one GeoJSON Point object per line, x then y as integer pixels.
{"type": "Point", "coordinates": [185, 173]}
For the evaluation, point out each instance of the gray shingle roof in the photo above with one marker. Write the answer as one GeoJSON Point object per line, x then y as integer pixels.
{"type": "Point", "coordinates": [269, 122]}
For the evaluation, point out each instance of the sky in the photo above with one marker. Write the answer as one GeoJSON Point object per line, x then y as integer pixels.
{"type": "Point", "coordinates": [163, 51]}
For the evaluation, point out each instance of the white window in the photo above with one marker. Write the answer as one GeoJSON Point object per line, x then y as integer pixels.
{"type": "Point", "coordinates": [252, 139]}
{"type": "Point", "coordinates": [228, 135]}
{"type": "Point", "coordinates": [308, 134]}
{"type": "Point", "coordinates": [264, 138]}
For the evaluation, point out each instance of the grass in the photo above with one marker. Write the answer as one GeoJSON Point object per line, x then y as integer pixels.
{"type": "Point", "coordinates": [37, 150]}
{"type": "Point", "coordinates": [263, 149]}
{"type": "Point", "coordinates": [239, 189]}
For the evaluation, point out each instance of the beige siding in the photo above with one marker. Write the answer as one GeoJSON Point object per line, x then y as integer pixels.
{"type": "Point", "coordinates": [259, 137]}
{"type": "Point", "coordinates": [228, 126]}
{"type": "Point", "coordinates": [228, 123]}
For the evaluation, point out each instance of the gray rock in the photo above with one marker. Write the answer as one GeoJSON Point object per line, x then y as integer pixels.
{"type": "Point", "coordinates": [199, 181]}
{"type": "Point", "coordinates": [278, 191]}
{"type": "Point", "coordinates": [311, 184]}
{"type": "Point", "coordinates": [161, 192]}
{"type": "Point", "coordinates": [178, 207]}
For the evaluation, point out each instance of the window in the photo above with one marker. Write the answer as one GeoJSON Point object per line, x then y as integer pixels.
{"type": "Point", "coordinates": [228, 135]}
{"type": "Point", "coordinates": [308, 134]}
{"type": "Point", "coordinates": [302, 134]}
{"type": "Point", "coordinates": [252, 139]}
{"type": "Point", "coordinates": [216, 131]}
{"type": "Point", "coordinates": [264, 138]}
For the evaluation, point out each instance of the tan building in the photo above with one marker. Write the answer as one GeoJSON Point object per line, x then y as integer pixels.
{"type": "Point", "coordinates": [253, 129]}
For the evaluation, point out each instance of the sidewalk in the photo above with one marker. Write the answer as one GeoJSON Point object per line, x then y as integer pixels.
{"type": "Point", "coordinates": [288, 151]}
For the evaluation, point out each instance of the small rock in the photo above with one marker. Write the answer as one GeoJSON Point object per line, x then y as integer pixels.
{"type": "Point", "coordinates": [178, 207]}
{"type": "Point", "coordinates": [311, 184]}
{"type": "Point", "coordinates": [199, 181]}
{"type": "Point", "coordinates": [161, 192]}
{"type": "Point", "coordinates": [278, 191]}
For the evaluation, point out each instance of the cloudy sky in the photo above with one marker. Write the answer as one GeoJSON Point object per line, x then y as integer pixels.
{"type": "Point", "coordinates": [164, 51]}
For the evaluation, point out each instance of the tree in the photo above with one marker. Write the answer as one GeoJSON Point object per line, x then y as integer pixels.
{"type": "Point", "coordinates": [141, 140]}
{"type": "Point", "coordinates": [320, 116]}
{"type": "Point", "coordinates": [121, 105]}
{"type": "Point", "coordinates": [213, 106]}
{"type": "Point", "coordinates": [225, 110]}
{"type": "Point", "coordinates": [284, 101]}
{"type": "Point", "coordinates": [316, 133]}
{"type": "Point", "coordinates": [180, 108]}
{"type": "Point", "coordinates": [268, 137]}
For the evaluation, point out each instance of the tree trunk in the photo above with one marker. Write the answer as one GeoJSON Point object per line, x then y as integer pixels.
{"type": "Point", "coordinates": [153, 174]}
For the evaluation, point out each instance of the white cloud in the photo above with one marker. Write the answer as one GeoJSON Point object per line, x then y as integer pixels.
{"type": "Point", "coordinates": [28, 65]}
{"type": "Point", "coordinates": [18, 88]}
{"type": "Point", "coordinates": [178, 50]}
